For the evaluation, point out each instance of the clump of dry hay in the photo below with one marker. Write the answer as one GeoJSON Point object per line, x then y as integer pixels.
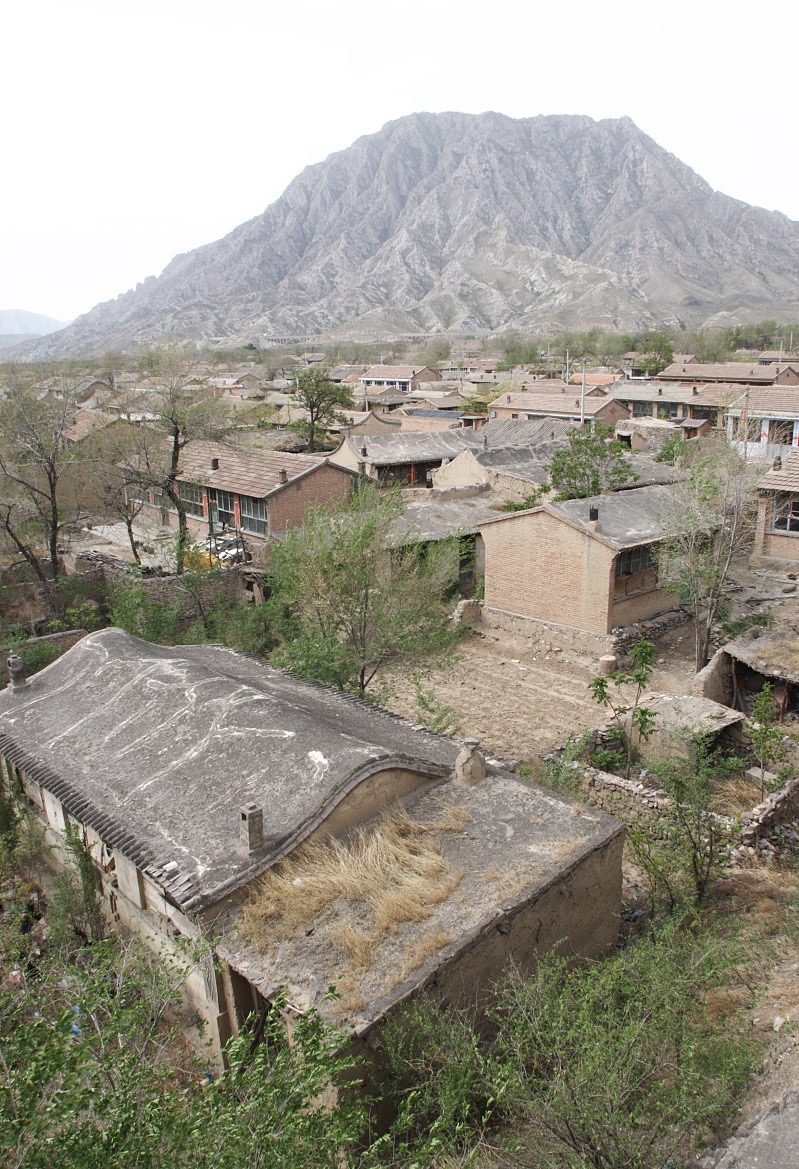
{"type": "Point", "coordinates": [383, 875]}
{"type": "Point", "coordinates": [425, 948]}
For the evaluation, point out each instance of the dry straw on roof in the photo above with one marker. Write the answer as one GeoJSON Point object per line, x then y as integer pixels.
{"type": "Point", "coordinates": [384, 875]}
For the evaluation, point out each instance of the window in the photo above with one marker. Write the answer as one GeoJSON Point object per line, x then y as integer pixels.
{"type": "Point", "coordinates": [253, 514]}
{"type": "Point", "coordinates": [781, 432]}
{"type": "Point", "coordinates": [642, 409]}
{"type": "Point", "coordinates": [668, 409]}
{"type": "Point", "coordinates": [635, 560]}
{"type": "Point", "coordinates": [786, 513]}
{"type": "Point", "coordinates": [191, 496]}
{"type": "Point", "coordinates": [222, 509]}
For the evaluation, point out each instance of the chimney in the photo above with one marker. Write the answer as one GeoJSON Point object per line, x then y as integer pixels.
{"type": "Point", "coordinates": [16, 673]}
{"type": "Point", "coordinates": [214, 464]}
{"type": "Point", "coordinates": [283, 475]}
{"type": "Point", "coordinates": [251, 828]}
{"type": "Point", "coordinates": [593, 519]}
{"type": "Point", "coordinates": [660, 390]}
{"type": "Point", "coordinates": [694, 390]}
{"type": "Point", "coordinates": [470, 765]}
{"type": "Point", "coordinates": [507, 397]}
{"type": "Point", "coordinates": [363, 450]}
{"type": "Point", "coordinates": [777, 464]}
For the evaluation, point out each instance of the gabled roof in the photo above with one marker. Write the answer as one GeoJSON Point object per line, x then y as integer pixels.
{"type": "Point", "coordinates": [394, 372]}
{"type": "Point", "coordinates": [254, 473]}
{"type": "Point", "coordinates": [640, 515]}
{"type": "Point", "coordinates": [383, 450]}
{"type": "Point", "coordinates": [566, 404]}
{"type": "Point", "coordinates": [522, 432]}
{"type": "Point", "coordinates": [785, 478]}
{"type": "Point", "coordinates": [158, 748]}
{"type": "Point", "coordinates": [722, 371]}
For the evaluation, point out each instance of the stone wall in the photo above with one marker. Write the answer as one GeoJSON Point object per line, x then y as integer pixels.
{"type": "Point", "coordinates": [574, 644]}
{"type": "Point", "coordinates": [167, 588]}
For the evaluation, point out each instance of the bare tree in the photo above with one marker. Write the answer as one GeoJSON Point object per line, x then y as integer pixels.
{"type": "Point", "coordinates": [713, 515]}
{"type": "Point", "coordinates": [38, 497]}
{"type": "Point", "coordinates": [176, 413]}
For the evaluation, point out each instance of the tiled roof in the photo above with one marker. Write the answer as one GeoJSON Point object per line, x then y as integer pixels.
{"type": "Point", "coordinates": [393, 372]}
{"type": "Point", "coordinates": [703, 393]}
{"type": "Point", "coordinates": [724, 371]}
{"type": "Point", "coordinates": [771, 401]}
{"type": "Point", "coordinates": [253, 473]}
{"type": "Point", "coordinates": [556, 405]}
{"type": "Point", "coordinates": [787, 477]}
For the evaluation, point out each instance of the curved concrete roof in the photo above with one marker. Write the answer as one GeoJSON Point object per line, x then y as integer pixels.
{"type": "Point", "coordinates": [158, 748]}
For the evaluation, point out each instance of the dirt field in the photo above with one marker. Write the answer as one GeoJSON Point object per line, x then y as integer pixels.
{"type": "Point", "coordinates": [519, 705]}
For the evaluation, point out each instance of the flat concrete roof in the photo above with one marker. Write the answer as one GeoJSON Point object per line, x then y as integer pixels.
{"type": "Point", "coordinates": [775, 654]}
{"type": "Point", "coordinates": [159, 747]}
{"type": "Point", "coordinates": [506, 842]}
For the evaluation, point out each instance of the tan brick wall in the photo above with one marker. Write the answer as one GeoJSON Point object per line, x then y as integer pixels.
{"type": "Point", "coordinates": [642, 606]}
{"type": "Point", "coordinates": [287, 509]}
{"type": "Point", "coordinates": [780, 547]}
{"type": "Point", "coordinates": [539, 566]}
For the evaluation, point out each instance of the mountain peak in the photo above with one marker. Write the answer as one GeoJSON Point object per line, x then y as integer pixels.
{"type": "Point", "coordinates": [464, 221]}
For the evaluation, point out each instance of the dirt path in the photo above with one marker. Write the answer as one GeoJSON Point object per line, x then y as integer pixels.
{"type": "Point", "coordinates": [517, 708]}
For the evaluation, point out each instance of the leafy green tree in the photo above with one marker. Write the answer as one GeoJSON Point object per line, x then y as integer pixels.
{"type": "Point", "coordinates": [682, 848]}
{"type": "Point", "coordinates": [315, 393]}
{"type": "Point", "coordinates": [616, 1064]}
{"type": "Point", "coordinates": [634, 723]}
{"type": "Point", "coordinates": [768, 739]}
{"type": "Point", "coordinates": [349, 599]}
{"type": "Point", "coordinates": [658, 353]}
{"type": "Point", "coordinates": [593, 462]}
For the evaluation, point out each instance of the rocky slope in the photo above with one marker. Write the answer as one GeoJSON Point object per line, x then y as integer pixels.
{"type": "Point", "coordinates": [457, 221]}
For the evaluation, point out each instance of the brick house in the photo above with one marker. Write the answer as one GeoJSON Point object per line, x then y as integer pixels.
{"type": "Point", "coordinates": [402, 378]}
{"type": "Point", "coordinates": [568, 404]}
{"type": "Point", "coordinates": [777, 530]}
{"type": "Point", "coordinates": [259, 493]}
{"type": "Point", "coordinates": [586, 563]}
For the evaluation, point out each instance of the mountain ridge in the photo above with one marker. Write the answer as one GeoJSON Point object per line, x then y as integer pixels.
{"type": "Point", "coordinates": [469, 221]}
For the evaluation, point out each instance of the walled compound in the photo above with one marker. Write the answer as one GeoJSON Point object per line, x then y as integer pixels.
{"type": "Point", "coordinates": [212, 792]}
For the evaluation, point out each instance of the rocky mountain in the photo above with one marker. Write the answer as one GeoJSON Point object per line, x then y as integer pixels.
{"type": "Point", "coordinates": [459, 221]}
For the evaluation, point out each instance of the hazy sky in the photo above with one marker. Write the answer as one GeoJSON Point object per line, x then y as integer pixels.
{"type": "Point", "coordinates": [134, 131]}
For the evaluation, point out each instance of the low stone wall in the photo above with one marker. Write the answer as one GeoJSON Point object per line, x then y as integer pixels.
{"type": "Point", "coordinates": [771, 825]}
{"type": "Point", "coordinates": [768, 829]}
{"type": "Point", "coordinates": [545, 636]}
{"type": "Point", "coordinates": [575, 644]}
{"type": "Point", "coordinates": [166, 588]}
{"type": "Point", "coordinates": [714, 681]}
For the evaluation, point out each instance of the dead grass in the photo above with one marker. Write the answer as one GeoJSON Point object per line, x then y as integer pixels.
{"type": "Point", "coordinates": [735, 794]}
{"type": "Point", "coordinates": [383, 875]}
{"type": "Point", "coordinates": [425, 948]}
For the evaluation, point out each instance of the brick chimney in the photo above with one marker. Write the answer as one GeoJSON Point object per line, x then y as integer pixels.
{"type": "Point", "coordinates": [214, 464]}
{"type": "Point", "coordinates": [283, 475]}
{"type": "Point", "coordinates": [17, 677]}
{"type": "Point", "coordinates": [251, 827]}
{"type": "Point", "coordinates": [593, 520]}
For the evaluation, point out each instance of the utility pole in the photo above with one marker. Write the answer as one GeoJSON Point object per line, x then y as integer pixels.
{"type": "Point", "coordinates": [567, 367]}
{"type": "Point", "coordinates": [582, 399]}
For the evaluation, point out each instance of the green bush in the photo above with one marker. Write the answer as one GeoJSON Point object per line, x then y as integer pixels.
{"type": "Point", "coordinates": [615, 1064]}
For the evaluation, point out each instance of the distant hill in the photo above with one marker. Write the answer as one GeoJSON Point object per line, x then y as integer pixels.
{"type": "Point", "coordinates": [17, 322]}
{"type": "Point", "coordinates": [463, 222]}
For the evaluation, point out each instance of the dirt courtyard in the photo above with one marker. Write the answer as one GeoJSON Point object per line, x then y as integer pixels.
{"type": "Point", "coordinates": [519, 704]}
